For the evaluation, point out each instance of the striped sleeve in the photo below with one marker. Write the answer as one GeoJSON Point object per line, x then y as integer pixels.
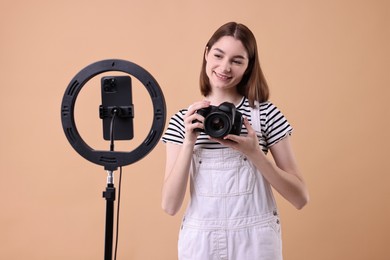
{"type": "Point", "coordinates": [175, 132]}
{"type": "Point", "coordinates": [274, 124]}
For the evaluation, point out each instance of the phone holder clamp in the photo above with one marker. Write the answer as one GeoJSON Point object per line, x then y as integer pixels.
{"type": "Point", "coordinates": [120, 111]}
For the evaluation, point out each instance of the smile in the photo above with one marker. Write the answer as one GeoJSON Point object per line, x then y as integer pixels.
{"type": "Point", "coordinates": [222, 76]}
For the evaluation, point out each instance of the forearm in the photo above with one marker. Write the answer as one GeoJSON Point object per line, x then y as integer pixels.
{"type": "Point", "coordinates": [176, 179]}
{"type": "Point", "coordinates": [179, 160]}
{"type": "Point", "coordinates": [286, 181]}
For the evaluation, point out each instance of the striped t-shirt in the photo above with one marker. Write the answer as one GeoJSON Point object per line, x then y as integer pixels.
{"type": "Point", "coordinates": [274, 127]}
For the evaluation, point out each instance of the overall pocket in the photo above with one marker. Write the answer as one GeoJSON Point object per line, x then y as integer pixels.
{"type": "Point", "coordinates": [224, 179]}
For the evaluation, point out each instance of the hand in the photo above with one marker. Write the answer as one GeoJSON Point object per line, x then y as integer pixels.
{"type": "Point", "coordinates": [248, 144]}
{"type": "Point", "coordinates": [193, 120]}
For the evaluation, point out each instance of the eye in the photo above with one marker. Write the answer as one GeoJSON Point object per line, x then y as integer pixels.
{"type": "Point", "coordinates": [218, 56]}
{"type": "Point", "coordinates": [238, 62]}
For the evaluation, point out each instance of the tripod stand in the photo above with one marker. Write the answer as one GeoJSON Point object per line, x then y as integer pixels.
{"type": "Point", "coordinates": [109, 195]}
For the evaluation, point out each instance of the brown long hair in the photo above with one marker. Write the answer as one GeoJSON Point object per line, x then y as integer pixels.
{"type": "Point", "coordinates": [253, 84]}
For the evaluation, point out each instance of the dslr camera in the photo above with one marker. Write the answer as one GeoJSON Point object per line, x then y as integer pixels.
{"type": "Point", "coordinates": [221, 120]}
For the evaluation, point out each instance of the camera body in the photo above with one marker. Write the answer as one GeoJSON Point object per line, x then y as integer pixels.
{"type": "Point", "coordinates": [221, 120]}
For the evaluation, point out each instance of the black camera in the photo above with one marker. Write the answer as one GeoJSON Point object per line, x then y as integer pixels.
{"type": "Point", "coordinates": [221, 120]}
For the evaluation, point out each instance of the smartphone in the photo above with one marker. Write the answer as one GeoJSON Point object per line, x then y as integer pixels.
{"type": "Point", "coordinates": [116, 94]}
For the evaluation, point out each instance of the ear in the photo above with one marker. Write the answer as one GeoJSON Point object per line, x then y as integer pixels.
{"type": "Point", "coordinates": [206, 52]}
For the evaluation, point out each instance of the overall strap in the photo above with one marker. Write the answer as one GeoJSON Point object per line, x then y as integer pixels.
{"type": "Point", "coordinates": [255, 114]}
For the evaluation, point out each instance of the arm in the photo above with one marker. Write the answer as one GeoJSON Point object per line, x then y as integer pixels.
{"type": "Point", "coordinates": [283, 175]}
{"type": "Point", "coordinates": [287, 179]}
{"type": "Point", "coordinates": [178, 162]}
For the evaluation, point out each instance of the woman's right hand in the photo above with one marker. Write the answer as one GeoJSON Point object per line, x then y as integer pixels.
{"type": "Point", "coordinates": [193, 120]}
{"type": "Point", "coordinates": [178, 161]}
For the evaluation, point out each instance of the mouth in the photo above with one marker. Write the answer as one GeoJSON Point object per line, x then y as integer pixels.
{"type": "Point", "coordinates": [222, 77]}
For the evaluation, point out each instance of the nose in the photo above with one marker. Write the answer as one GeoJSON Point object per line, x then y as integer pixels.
{"type": "Point", "coordinates": [226, 66]}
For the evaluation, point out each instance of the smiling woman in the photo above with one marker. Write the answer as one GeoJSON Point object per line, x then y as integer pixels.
{"type": "Point", "coordinates": [232, 203]}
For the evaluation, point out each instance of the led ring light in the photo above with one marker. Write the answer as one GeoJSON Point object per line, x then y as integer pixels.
{"type": "Point", "coordinates": [112, 159]}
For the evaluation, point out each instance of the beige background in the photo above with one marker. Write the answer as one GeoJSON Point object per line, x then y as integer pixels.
{"type": "Point", "coordinates": [327, 63]}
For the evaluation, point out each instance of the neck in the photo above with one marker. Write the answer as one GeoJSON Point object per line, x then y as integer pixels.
{"type": "Point", "coordinates": [217, 99]}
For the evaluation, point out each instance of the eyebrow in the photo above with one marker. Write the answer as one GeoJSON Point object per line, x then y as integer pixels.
{"type": "Point", "coordinates": [237, 56]}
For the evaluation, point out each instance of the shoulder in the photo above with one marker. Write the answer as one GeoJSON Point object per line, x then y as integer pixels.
{"type": "Point", "coordinates": [181, 113]}
{"type": "Point", "coordinates": [269, 111]}
{"type": "Point", "coordinates": [178, 116]}
{"type": "Point", "coordinates": [274, 123]}
{"type": "Point", "coordinates": [176, 130]}
{"type": "Point", "coordinates": [267, 107]}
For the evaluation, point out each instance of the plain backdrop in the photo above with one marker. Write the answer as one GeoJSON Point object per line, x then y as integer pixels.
{"type": "Point", "coordinates": [327, 64]}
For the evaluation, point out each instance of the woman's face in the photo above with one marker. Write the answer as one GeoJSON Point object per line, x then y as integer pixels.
{"type": "Point", "coordinates": [227, 61]}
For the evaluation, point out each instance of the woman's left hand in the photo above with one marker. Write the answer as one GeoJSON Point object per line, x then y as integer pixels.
{"type": "Point", "coordinates": [284, 176]}
{"type": "Point", "coordinates": [246, 144]}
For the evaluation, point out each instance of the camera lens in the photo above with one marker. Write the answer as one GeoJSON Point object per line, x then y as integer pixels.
{"type": "Point", "coordinates": [217, 125]}
{"type": "Point", "coordinates": [109, 85]}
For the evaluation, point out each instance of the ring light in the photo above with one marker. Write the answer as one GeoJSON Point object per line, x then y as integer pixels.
{"type": "Point", "coordinates": [111, 160]}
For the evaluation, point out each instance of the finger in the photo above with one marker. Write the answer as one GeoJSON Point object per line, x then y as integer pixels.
{"type": "Point", "coordinates": [232, 138]}
{"type": "Point", "coordinates": [191, 126]}
{"type": "Point", "coordinates": [194, 121]}
{"type": "Point", "coordinates": [225, 142]}
{"type": "Point", "coordinates": [248, 126]}
{"type": "Point", "coordinates": [191, 117]}
{"type": "Point", "coordinates": [198, 105]}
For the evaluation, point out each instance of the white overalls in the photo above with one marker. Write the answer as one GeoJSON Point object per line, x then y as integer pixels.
{"type": "Point", "coordinates": [232, 213]}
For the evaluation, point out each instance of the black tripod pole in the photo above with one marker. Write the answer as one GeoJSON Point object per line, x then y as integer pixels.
{"type": "Point", "coordinates": [109, 194]}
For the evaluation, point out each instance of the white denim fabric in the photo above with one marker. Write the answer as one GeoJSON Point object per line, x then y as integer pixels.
{"type": "Point", "coordinates": [232, 214]}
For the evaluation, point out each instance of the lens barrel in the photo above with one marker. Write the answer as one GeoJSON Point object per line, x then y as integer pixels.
{"type": "Point", "coordinates": [217, 125]}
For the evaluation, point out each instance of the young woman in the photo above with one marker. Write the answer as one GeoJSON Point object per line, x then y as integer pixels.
{"type": "Point", "coordinates": [232, 213]}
